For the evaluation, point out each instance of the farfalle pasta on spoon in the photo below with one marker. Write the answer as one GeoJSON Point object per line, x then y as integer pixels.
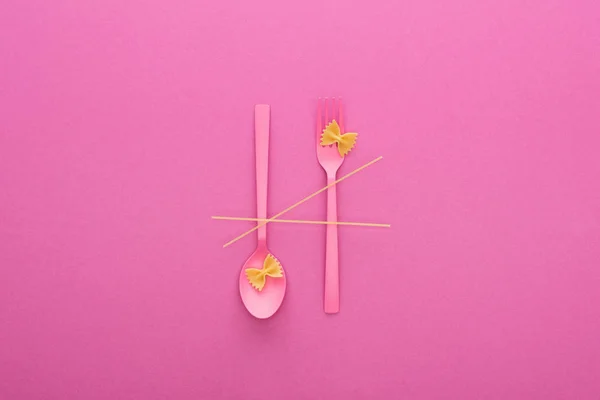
{"type": "Point", "coordinates": [258, 277]}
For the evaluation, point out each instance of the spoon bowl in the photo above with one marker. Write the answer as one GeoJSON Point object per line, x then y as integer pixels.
{"type": "Point", "coordinates": [265, 303]}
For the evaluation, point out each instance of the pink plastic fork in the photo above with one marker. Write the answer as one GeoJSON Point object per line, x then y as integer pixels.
{"type": "Point", "coordinates": [330, 160]}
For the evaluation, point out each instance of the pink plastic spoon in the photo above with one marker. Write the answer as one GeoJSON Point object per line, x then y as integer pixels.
{"type": "Point", "coordinates": [261, 304]}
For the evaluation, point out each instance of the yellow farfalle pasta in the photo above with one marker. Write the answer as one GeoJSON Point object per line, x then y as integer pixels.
{"type": "Point", "coordinates": [332, 134]}
{"type": "Point", "coordinates": [257, 277]}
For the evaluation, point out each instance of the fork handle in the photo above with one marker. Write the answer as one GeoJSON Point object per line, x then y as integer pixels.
{"type": "Point", "coordinates": [332, 278]}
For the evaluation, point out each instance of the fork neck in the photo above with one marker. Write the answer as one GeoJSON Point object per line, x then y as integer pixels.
{"type": "Point", "coordinates": [331, 174]}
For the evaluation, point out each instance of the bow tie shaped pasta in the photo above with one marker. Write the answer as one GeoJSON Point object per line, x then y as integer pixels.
{"type": "Point", "coordinates": [257, 277]}
{"type": "Point", "coordinates": [332, 134]}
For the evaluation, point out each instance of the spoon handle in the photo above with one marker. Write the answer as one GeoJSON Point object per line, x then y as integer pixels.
{"type": "Point", "coordinates": [262, 114]}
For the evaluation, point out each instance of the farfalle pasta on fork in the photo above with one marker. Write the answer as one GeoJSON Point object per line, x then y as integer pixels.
{"type": "Point", "coordinates": [333, 134]}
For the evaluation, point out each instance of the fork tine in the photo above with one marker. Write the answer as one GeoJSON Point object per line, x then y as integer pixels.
{"type": "Point", "coordinates": [341, 116]}
{"type": "Point", "coordinates": [333, 114]}
{"type": "Point", "coordinates": [319, 121]}
{"type": "Point", "coordinates": [326, 111]}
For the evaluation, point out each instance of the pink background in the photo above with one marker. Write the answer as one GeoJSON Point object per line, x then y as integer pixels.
{"type": "Point", "coordinates": [126, 124]}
